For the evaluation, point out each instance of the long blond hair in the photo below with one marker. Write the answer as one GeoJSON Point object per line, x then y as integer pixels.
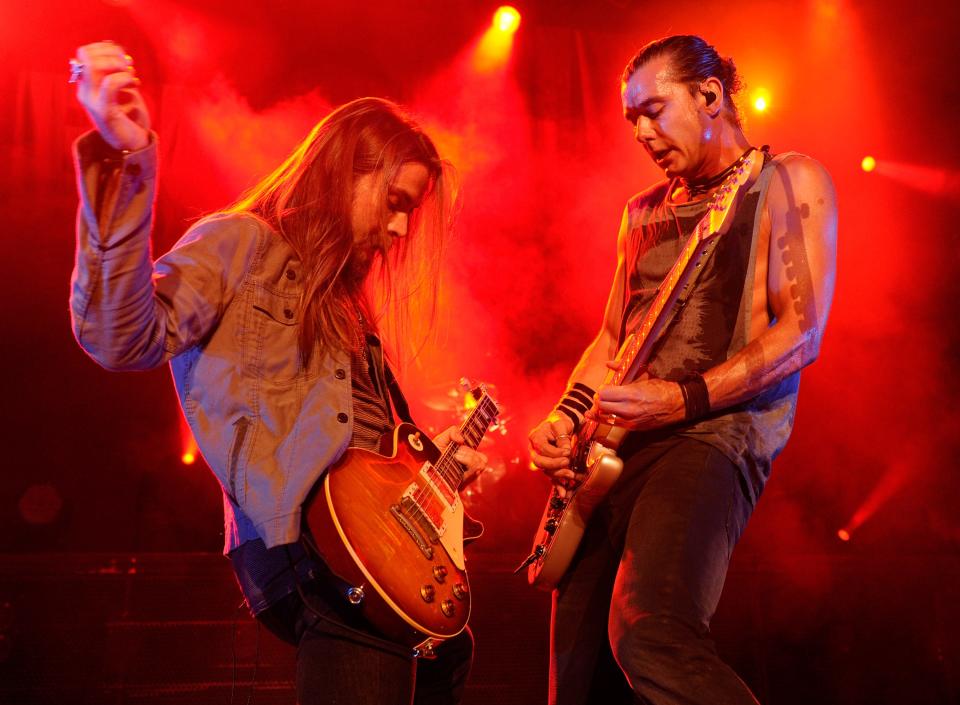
{"type": "Point", "coordinates": [307, 200]}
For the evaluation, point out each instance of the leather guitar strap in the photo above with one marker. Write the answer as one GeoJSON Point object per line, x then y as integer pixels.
{"type": "Point", "coordinates": [697, 264]}
{"type": "Point", "coordinates": [396, 395]}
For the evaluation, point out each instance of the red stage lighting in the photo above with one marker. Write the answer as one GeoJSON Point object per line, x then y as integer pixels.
{"type": "Point", "coordinates": [868, 164]}
{"type": "Point", "coordinates": [506, 19]}
{"type": "Point", "coordinates": [844, 535]}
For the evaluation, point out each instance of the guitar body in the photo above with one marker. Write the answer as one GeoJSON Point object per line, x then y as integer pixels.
{"type": "Point", "coordinates": [386, 524]}
{"type": "Point", "coordinates": [565, 519]}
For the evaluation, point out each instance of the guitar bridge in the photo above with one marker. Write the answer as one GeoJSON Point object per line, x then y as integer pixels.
{"type": "Point", "coordinates": [416, 524]}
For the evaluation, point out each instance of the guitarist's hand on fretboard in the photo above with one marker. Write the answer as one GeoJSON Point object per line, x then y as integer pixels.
{"type": "Point", "coordinates": [473, 461]}
{"type": "Point", "coordinates": [643, 405]}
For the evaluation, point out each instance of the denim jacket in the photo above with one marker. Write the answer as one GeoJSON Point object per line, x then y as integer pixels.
{"type": "Point", "coordinates": [223, 308]}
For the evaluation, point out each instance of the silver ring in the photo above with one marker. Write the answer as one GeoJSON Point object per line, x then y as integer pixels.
{"type": "Point", "coordinates": [76, 71]}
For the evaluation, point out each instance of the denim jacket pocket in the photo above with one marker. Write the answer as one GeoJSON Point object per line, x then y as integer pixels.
{"type": "Point", "coordinates": [276, 330]}
{"type": "Point", "coordinates": [236, 480]}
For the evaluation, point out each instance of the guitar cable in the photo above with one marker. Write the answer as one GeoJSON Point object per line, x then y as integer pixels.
{"type": "Point", "coordinates": [256, 660]}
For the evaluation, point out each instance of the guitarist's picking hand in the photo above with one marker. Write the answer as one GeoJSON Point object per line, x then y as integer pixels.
{"type": "Point", "coordinates": [550, 448]}
{"type": "Point", "coordinates": [474, 461]}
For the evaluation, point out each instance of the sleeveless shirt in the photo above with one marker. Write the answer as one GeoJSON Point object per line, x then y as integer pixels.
{"type": "Point", "coordinates": [713, 324]}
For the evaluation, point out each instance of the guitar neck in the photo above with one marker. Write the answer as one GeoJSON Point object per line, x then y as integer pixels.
{"type": "Point", "coordinates": [636, 349]}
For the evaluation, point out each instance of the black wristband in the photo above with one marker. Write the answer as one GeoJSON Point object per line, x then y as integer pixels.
{"type": "Point", "coordinates": [575, 405]}
{"type": "Point", "coordinates": [582, 397]}
{"type": "Point", "coordinates": [575, 402]}
{"type": "Point", "coordinates": [585, 389]}
{"type": "Point", "coordinates": [570, 415]}
{"type": "Point", "coordinates": [696, 397]}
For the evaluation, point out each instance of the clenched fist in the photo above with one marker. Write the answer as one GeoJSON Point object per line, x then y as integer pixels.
{"type": "Point", "coordinates": [107, 89]}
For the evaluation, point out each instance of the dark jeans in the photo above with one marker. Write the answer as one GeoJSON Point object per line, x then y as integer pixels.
{"type": "Point", "coordinates": [341, 658]}
{"type": "Point", "coordinates": [631, 617]}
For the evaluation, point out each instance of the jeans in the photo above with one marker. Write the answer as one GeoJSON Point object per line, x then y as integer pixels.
{"type": "Point", "coordinates": [631, 617]}
{"type": "Point", "coordinates": [342, 659]}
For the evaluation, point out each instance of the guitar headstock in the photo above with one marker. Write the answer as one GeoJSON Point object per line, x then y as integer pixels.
{"type": "Point", "coordinates": [722, 201]}
{"type": "Point", "coordinates": [479, 391]}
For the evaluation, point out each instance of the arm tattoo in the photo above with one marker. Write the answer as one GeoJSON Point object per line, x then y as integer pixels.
{"type": "Point", "coordinates": [793, 253]}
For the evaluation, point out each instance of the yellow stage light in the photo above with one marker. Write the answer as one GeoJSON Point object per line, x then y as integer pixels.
{"type": "Point", "coordinates": [506, 19]}
{"type": "Point", "coordinates": [868, 164]}
{"type": "Point", "coordinates": [188, 458]}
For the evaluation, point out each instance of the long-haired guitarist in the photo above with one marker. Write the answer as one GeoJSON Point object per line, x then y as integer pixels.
{"type": "Point", "coordinates": [264, 314]}
{"type": "Point", "coordinates": [714, 402]}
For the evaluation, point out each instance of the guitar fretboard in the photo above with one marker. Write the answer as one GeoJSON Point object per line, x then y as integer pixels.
{"type": "Point", "coordinates": [473, 429]}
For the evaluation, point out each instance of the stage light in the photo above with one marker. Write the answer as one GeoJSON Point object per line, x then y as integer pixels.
{"type": "Point", "coordinates": [844, 535]}
{"type": "Point", "coordinates": [188, 458]}
{"type": "Point", "coordinates": [506, 19]}
{"type": "Point", "coordinates": [493, 50]}
{"type": "Point", "coordinates": [868, 164]}
{"type": "Point", "coordinates": [760, 104]}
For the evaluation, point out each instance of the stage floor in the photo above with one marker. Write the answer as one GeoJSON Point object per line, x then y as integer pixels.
{"type": "Point", "coordinates": [98, 628]}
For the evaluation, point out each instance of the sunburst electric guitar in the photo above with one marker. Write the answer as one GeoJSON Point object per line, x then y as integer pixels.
{"type": "Point", "coordinates": [595, 444]}
{"type": "Point", "coordinates": [392, 526]}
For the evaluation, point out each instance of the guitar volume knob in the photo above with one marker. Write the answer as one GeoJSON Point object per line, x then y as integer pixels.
{"type": "Point", "coordinates": [460, 591]}
{"type": "Point", "coordinates": [448, 608]}
{"type": "Point", "coordinates": [427, 592]}
{"type": "Point", "coordinates": [440, 573]}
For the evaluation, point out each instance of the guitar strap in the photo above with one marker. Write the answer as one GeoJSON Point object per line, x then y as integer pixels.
{"type": "Point", "coordinates": [396, 395]}
{"type": "Point", "coordinates": [697, 265]}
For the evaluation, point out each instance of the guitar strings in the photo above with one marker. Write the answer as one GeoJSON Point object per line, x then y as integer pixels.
{"type": "Point", "coordinates": [449, 470]}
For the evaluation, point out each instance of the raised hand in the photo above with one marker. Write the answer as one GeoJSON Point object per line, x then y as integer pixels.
{"type": "Point", "coordinates": [107, 89]}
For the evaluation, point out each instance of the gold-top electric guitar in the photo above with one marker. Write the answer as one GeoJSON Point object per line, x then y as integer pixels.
{"type": "Point", "coordinates": [392, 525]}
{"type": "Point", "coordinates": [594, 446]}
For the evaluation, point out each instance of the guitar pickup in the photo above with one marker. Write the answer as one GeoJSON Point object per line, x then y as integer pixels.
{"type": "Point", "coordinates": [409, 525]}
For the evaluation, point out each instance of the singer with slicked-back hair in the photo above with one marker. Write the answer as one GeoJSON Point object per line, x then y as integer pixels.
{"type": "Point", "coordinates": [665, 435]}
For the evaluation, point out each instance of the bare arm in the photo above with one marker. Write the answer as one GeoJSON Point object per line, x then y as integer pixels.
{"type": "Point", "coordinates": [592, 367]}
{"type": "Point", "coordinates": [549, 442]}
{"type": "Point", "coordinates": [801, 207]}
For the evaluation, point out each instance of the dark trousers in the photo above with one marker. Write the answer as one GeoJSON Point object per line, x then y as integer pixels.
{"type": "Point", "coordinates": [631, 617]}
{"type": "Point", "coordinates": [341, 659]}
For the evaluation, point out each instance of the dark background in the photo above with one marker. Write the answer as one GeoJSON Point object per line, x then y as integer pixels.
{"type": "Point", "coordinates": [92, 459]}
